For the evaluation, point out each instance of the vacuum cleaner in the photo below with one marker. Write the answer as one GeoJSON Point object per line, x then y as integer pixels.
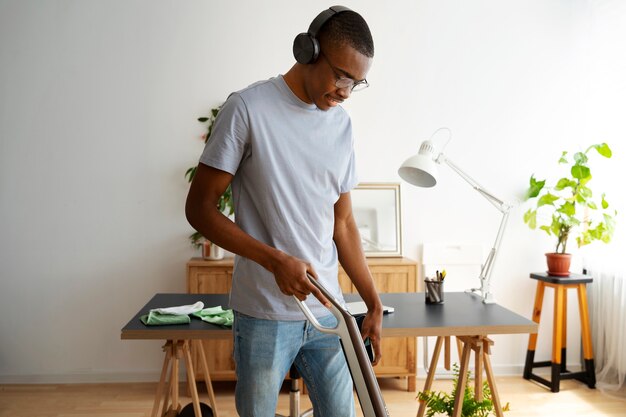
{"type": "Point", "coordinates": [359, 363]}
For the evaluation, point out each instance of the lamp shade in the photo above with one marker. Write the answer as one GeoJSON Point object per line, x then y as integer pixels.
{"type": "Point", "coordinates": [421, 169]}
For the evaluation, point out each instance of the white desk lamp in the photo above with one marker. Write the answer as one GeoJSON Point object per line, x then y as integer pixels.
{"type": "Point", "coordinates": [421, 170]}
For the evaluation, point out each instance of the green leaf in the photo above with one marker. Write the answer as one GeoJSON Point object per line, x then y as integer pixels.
{"type": "Point", "coordinates": [564, 183]}
{"type": "Point", "coordinates": [568, 208]}
{"type": "Point", "coordinates": [530, 218]}
{"type": "Point", "coordinates": [605, 204]}
{"type": "Point", "coordinates": [546, 229]}
{"type": "Point", "coordinates": [547, 199]}
{"type": "Point", "coordinates": [580, 158]}
{"type": "Point", "coordinates": [583, 239]}
{"type": "Point", "coordinates": [196, 239]}
{"type": "Point", "coordinates": [609, 221]}
{"type": "Point", "coordinates": [603, 149]}
{"type": "Point", "coordinates": [580, 172]}
{"type": "Point", "coordinates": [585, 192]}
{"type": "Point", "coordinates": [191, 172]}
{"type": "Point", "coordinates": [535, 187]}
{"type": "Point", "coordinates": [585, 180]}
{"type": "Point", "coordinates": [563, 159]}
{"type": "Point", "coordinates": [598, 231]}
{"type": "Point", "coordinates": [592, 205]}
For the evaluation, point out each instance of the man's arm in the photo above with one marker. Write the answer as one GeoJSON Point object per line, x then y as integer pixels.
{"type": "Point", "coordinates": [352, 258]}
{"type": "Point", "coordinates": [202, 213]}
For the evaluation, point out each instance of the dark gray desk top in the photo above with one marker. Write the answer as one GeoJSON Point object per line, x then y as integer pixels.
{"type": "Point", "coordinates": [197, 329]}
{"type": "Point", "coordinates": [462, 314]}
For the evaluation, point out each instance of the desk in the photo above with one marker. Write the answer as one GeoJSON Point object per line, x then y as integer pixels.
{"type": "Point", "coordinates": [463, 315]}
{"type": "Point", "coordinates": [390, 275]}
{"type": "Point", "coordinates": [178, 337]}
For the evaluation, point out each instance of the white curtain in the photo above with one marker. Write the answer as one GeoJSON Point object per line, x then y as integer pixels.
{"type": "Point", "coordinates": [607, 311]}
{"type": "Point", "coordinates": [606, 106]}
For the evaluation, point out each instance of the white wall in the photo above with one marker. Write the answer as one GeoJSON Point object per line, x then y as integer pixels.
{"type": "Point", "coordinates": [98, 108]}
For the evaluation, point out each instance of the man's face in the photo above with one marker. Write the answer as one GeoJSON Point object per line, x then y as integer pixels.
{"type": "Point", "coordinates": [333, 64]}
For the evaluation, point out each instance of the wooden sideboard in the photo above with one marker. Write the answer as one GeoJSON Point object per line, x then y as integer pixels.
{"type": "Point", "coordinates": [389, 274]}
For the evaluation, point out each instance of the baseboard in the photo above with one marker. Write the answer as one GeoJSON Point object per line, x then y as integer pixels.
{"type": "Point", "coordinates": [154, 375]}
{"type": "Point", "coordinates": [83, 378]}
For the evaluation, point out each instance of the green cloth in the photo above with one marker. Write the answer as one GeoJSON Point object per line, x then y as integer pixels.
{"type": "Point", "coordinates": [158, 319]}
{"type": "Point", "coordinates": [216, 315]}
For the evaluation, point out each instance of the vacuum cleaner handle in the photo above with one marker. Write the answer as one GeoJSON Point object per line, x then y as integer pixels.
{"type": "Point", "coordinates": [367, 389]}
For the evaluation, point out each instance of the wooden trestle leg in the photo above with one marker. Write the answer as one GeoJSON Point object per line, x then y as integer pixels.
{"type": "Point", "coordinates": [174, 351]}
{"type": "Point", "coordinates": [481, 345]}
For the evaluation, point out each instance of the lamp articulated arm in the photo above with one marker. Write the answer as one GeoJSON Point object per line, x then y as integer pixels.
{"type": "Point", "coordinates": [504, 208]}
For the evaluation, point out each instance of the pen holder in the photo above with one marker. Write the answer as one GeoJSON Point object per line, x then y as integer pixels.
{"type": "Point", "coordinates": [434, 291]}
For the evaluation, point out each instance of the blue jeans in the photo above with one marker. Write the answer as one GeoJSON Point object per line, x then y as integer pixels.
{"type": "Point", "coordinates": [264, 352]}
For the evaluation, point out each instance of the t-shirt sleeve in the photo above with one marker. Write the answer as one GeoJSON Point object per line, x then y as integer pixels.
{"type": "Point", "coordinates": [229, 138]}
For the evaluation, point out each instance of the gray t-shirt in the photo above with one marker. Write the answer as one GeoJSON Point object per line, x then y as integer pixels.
{"type": "Point", "coordinates": [290, 162]}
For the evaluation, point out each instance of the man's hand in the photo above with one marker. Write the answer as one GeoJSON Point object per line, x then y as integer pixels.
{"type": "Point", "coordinates": [372, 327]}
{"type": "Point", "coordinates": [290, 274]}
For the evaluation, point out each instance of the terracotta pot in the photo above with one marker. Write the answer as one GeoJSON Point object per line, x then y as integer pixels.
{"type": "Point", "coordinates": [211, 251]}
{"type": "Point", "coordinates": [558, 264]}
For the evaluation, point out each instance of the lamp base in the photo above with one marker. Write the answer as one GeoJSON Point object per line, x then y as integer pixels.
{"type": "Point", "coordinates": [488, 298]}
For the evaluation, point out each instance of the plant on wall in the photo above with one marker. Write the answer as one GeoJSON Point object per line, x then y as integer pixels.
{"type": "Point", "coordinates": [569, 208]}
{"type": "Point", "coordinates": [225, 202]}
{"type": "Point", "coordinates": [443, 403]}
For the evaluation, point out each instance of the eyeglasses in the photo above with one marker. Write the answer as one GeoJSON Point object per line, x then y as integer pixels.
{"type": "Point", "coordinates": [345, 82]}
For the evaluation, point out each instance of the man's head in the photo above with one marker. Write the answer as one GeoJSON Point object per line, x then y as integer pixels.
{"type": "Point", "coordinates": [338, 60]}
{"type": "Point", "coordinates": [348, 28]}
{"type": "Point", "coordinates": [339, 25]}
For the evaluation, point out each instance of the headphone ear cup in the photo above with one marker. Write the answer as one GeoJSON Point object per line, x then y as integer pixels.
{"type": "Point", "coordinates": [306, 48]}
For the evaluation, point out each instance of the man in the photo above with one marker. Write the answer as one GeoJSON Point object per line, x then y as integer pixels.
{"type": "Point", "coordinates": [285, 145]}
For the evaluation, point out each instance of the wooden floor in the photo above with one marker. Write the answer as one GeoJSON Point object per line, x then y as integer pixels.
{"type": "Point", "coordinates": [135, 400]}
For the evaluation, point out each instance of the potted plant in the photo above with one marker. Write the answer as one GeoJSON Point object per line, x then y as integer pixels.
{"type": "Point", "coordinates": [569, 208]}
{"type": "Point", "coordinates": [224, 204]}
{"type": "Point", "coordinates": [443, 403]}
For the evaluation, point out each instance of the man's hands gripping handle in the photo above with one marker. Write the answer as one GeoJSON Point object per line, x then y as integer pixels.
{"type": "Point", "coordinates": [342, 315]}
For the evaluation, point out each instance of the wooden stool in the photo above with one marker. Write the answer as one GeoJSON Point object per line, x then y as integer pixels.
{"type": "Point", "coordinates": [559, 335]}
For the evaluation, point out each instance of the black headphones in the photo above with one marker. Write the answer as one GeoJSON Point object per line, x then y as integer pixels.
{"type": "Point", "coordinates": [306, 47]}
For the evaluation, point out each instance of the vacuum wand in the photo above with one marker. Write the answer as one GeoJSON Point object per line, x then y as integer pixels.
{"type": "Point", "coordinates": [365, 383]}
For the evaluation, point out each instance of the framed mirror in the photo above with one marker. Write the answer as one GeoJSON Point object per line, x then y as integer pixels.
{"type": "Point", "coordinates": [376, 209]}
